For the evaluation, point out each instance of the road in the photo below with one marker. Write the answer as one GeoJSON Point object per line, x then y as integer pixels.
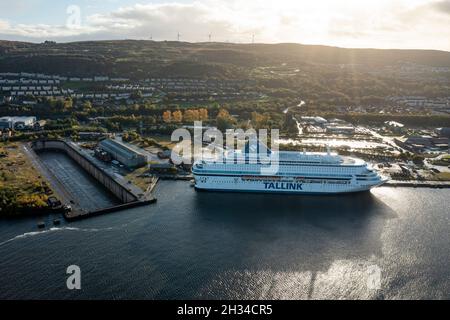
{"type": "Point", "coordinates": [387, 140]}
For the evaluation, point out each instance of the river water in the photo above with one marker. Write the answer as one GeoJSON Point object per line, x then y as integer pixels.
{"type": "Point", "coordinates": [386, 244]}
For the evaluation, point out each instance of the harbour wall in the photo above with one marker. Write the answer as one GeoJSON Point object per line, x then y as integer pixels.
{"type": "Point", "coordinates": [419, 184]}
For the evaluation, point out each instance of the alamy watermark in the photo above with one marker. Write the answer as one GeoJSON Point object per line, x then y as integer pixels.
{"type": "Point", "coordinates": [74, 17]}
{"type": "Point", "coordinates": [235, 146]}
{"type": "Point", "coordinates": [374, 278]}
{"type": "Point", "coordinates": [73, 282]}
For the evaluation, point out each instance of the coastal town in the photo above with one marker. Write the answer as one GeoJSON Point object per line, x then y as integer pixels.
{"type": "Point", "coordinates": [217, 158]}
{"type": "Point", "coordinates": [20, 88]}
{"type": "Point", "coordinates": [136, 160]}
{"type": "Point", "coordinates": [121, 124]}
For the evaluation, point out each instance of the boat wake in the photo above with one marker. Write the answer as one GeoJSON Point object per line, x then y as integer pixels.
{"type": "Point", "coordinates": [73, 229]}
{"type": "Point", "coordinates": [51, 230]}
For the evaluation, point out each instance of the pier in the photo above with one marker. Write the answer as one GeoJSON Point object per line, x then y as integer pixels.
{"type": "Point", "coordinates": [127, 193]}
{"type": "Point", "coordinates": [188, 177]}
{"type": "Point", "coordinates": [418, 184]}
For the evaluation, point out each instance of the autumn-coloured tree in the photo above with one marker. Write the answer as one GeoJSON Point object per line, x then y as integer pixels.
{"type": "Point", "coordinates": [196, 115]}
{"type": "Point", "coordinates": [203, 114]}
{"type": "Point", "coordinates": [167, 116]}
{"type": "Point", "coordinates": [224, 120]}
{"type": "Point", "coordinates": [260, 121]}
{"type": "Point", "coordinates": [191, 115]}
{"type": "Point", "coordinates": [177, 116]}
{"type": "Point", "coordinates": [188, 116]}
{"type": "Point", "coordinates": [223, 113]}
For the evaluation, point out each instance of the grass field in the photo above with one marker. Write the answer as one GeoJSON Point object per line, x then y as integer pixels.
{"type": "Point", "coordinates": [442, 176]}
{"type": "Point", "coordinates": [139, 181]}
{"type": "Point", "coordinates": [444, 161]}
{"type": "Point", "coordinates": [21, 185]}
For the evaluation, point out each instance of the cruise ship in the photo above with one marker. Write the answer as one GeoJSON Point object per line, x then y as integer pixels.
{"type": "Point", "coordinates": [298, 173]}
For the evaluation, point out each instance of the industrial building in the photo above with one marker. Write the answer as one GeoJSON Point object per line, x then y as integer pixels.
{"type": "Point", "coordinates": [340, 129]}
{"type": "Point", "coordinates": [314, 120]}
{"type": "Point", "coordinates": [122, 153]}
{"type": "Point", "coordinates": [421, 144]}
{"type": "Point", "coordinates": [338, 126]}
{"type": "Point", "coordinates": [394, 126]}
{"type": "Point", "coordinates": [19, 123]}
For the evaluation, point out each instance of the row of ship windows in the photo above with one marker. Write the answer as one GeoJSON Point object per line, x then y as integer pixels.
{"type": "Point", "coordinates": [282, 163]}
{"type": "Point", "coordinates": [254, 166]}
{"type": "Point", "coordinates": [293, 170]}
{"type": "Point", "coordinates": [318, 177]}
{"type": "Point", "coordinates": [277, 181]}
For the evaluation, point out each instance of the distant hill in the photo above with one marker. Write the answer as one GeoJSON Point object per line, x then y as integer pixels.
{"type": "Point", "coordinates": [132, 58]}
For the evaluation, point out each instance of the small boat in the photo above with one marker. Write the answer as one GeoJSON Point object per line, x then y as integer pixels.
{"type": "Point", "coordinates": [41, 225]}
{"type": "Point", "coordinates": [56, 222]}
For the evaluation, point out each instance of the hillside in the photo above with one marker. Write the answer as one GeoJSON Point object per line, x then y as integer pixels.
{"type": "Point", "coordinates": [136, 59]}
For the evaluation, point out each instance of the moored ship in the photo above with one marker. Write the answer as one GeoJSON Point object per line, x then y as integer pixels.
{"type": "Point", "coordinates": [297, 172]}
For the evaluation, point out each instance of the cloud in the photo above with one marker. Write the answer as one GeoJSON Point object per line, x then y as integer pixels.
{"type": "Point", "coordinates": [4, 25]}
{"type": "Point", "coordinates": [442, 6]}
{"type": "Point", "coordinates": [18, 6]}
{"type": "Point", "coordinates": [163, 21]}
{"type": "Point", "coordinates": [350, 23]}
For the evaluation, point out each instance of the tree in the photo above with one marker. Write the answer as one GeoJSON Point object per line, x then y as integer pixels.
{"type": "Point", "coordinates": [87, 105]}
{"type": "Point", "coordinates": [68, 104]}
{"type": "Point", "coordinates": [289, 124]}
{"type": "Point", "coordinates": [130, 136]}
{"type": "Point", "coordinates": [224, 120]}
{"type": "Point", "coordinates": [259, 121]}
{"type": "Point", "coordinates": [177, 116]}
{"type": "Point", "coordinates": [191, 115]}
{"type": "Point", "coordinates": [203, 114]}
{"type": "Point", "coordinates": [167, 116]}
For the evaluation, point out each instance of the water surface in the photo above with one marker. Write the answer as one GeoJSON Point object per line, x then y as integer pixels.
{"type": "Point", "coordinates": [231, 246]}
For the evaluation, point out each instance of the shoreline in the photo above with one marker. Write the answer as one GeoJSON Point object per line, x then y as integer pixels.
{"type": "Point", "coordinates": [418, 184]}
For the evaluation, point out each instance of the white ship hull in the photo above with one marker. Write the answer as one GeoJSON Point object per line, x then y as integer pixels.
{"type": "Point", "coordinates": [294, 173]}
{"type": "Point", "coordinates": [239, 184]}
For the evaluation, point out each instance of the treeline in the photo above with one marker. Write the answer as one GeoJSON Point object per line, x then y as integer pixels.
{"type": "Point", "coordinates": [131, 57]}
{"type": "Point", "coordinates": [55, 134]}
{"type": "Point", "coordinates": [189, 115]}
{"type": "Point", "coordinates": [14, 202]}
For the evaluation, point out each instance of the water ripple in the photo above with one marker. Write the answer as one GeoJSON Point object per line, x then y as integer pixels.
{"type": "Point", "coordinates": [37, 233]}
{"type": "Point", "coordinates": [51, 230]}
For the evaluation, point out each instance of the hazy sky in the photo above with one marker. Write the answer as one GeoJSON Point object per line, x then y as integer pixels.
{"type": "Point", "coordinates": [423, 24]}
